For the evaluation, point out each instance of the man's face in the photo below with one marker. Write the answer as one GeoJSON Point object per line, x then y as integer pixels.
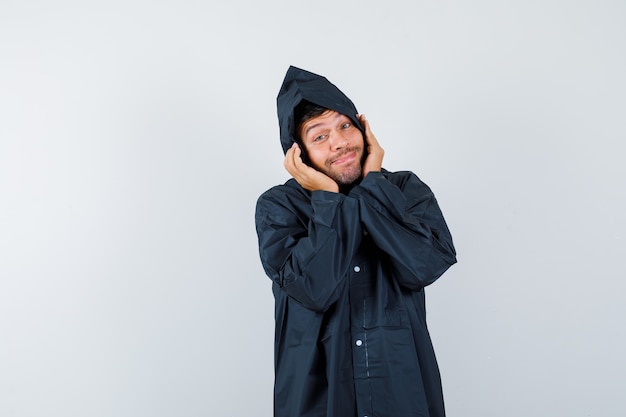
{"type": "Point", "coordinates": [334, 146]}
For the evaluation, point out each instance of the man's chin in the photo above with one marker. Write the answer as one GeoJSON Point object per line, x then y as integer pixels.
{"type": "Point", "coordinates": [348, 177]}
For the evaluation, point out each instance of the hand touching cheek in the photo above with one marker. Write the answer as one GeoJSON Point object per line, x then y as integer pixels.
{"type": "Point", "coordinates": [374, 160]}
{"type": "Point", "coordinates": [309, 178]}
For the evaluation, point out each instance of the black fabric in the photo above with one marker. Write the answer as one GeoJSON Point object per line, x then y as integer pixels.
{"type": "Point", "coordinates": [348, 273]}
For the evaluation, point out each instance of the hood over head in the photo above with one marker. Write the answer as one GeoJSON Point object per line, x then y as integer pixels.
{"type": "Point", "coordinates": [300, 85]}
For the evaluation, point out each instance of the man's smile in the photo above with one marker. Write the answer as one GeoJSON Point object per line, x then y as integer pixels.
{"type": "Point", "coordinates": [344, 158]}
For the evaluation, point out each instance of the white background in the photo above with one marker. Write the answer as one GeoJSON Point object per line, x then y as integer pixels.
{"type": "Point", "coordinates": [136, 136]}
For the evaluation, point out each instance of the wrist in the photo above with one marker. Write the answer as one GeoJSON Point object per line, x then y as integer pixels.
{"type": "Point", "coordinates": [333, 188]}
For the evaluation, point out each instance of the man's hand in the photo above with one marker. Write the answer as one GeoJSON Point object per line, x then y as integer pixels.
{"type": "Point", "coordinates": [374, 160]}
{"type": "Point", "coordinates": [309, 178]}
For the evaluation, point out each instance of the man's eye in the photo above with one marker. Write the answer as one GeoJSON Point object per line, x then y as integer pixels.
{"type": "Point", "coordinates": [319, 138]}
{"type": "Point", "coordinates": [346, 125]}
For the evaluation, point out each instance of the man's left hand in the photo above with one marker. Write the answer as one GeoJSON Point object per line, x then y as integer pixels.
{"type": "Point", "coordinates": [374, 160]}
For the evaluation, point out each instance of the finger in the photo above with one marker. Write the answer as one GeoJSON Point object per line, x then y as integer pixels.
{"type": "Point", "coordinates": [288, 156]}
{"type": "Point", "coordinates": [369, 136]}
{"type": "Point", "coordinates": [295, 153]}
{"type": "Point", "coordinates": [289, 160]}
{"type": "Point", "coordinates": [300, 169]}
{"type": "Point", "coordinates": [298, 158]}
{"type": "Point", "coordinates": [365, 123]}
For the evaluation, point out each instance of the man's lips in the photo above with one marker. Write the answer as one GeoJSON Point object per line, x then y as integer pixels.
{"type": "Point", "coordinates": [344, 158]}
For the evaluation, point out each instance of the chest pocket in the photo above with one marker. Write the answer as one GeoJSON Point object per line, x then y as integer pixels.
{"type": "Point", "coordinates": [377, 316]}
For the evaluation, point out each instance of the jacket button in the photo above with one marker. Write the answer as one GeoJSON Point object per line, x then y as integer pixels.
{"type": "Point", "coordinates": [358, 342]}
{"type": "Point", "coordinates": [357, 269]}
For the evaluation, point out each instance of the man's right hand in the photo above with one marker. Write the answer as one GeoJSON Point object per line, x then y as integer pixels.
{"type": "Point", "coordinates": [309, 178]}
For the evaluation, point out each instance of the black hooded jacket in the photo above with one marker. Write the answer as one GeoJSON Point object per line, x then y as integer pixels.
{"type": "Point", "coordinates": [349, 271]}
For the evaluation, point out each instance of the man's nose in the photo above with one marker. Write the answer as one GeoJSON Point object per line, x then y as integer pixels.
{"type": "Point", "coordinates": [338, 140]}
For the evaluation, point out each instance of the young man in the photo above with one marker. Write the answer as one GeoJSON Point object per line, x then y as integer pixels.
{"type": "Point", "coordinates": [349, 247]}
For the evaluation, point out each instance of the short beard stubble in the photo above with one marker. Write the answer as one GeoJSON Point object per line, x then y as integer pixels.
{"type": "Point", "coordinates": [349, 174]}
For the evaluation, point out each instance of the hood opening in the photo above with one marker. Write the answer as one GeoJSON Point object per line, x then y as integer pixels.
{"type": "Point", "coordinates": [300, 85]}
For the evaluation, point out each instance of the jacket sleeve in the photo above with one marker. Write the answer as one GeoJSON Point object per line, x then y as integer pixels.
{"type": "Point", "coordinates": [405, 222]}
{"type": "Point", "coordinates": [307, 255]}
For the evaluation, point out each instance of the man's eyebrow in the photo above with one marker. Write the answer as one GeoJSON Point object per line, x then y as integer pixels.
{"type": "Point", "coordinates": [313, 126]}
{"type": "Point", "coordinates": [306, 131]}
